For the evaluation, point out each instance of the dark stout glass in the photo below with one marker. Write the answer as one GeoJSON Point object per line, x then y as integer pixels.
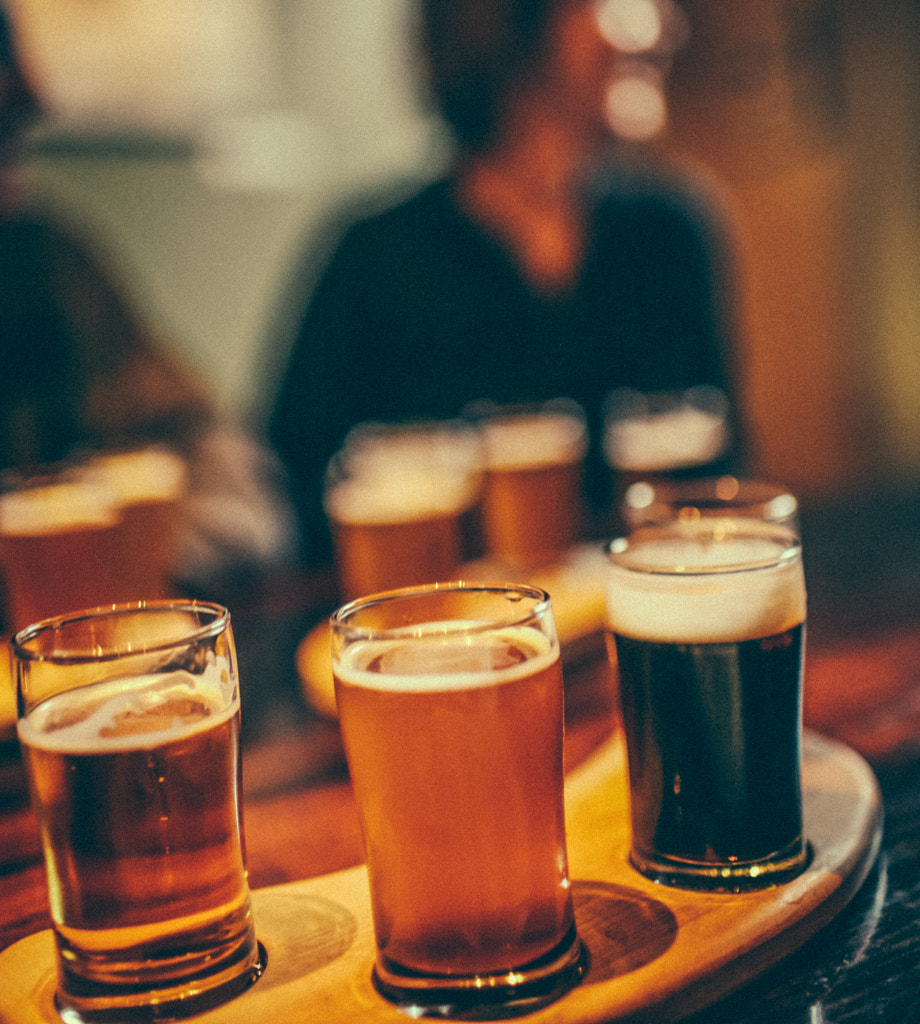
{"type": "Point", "coordinates": [714, 770]}
{"type": "Point", "coordinates": [707, 635]}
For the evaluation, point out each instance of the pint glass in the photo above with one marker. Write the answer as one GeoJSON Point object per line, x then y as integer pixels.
{"type": "Point", "coordinates": [397, 498]}
{"type": "Point", "coordinates": [61, 545]}
{"type": "Point", "coordinates": [129, 723]}
{"type": "Point", "coordinates": [661, 501]}
{"type": "Point", "coordinates": [706, 624]}
{"type": "Point", "coordinates": [148, 485]}
{"type": "Point", "coordinates": [451, 707]}
{"type": "Point", "coordinates": [532, 507]}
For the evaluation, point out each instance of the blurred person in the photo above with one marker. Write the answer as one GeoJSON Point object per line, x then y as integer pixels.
{"type": "Point", "coordinates": [80, 370]}
{"type": "Point", "coordinates": [82, 373]}
{"type": "Point", "coordinates": [543, 264]}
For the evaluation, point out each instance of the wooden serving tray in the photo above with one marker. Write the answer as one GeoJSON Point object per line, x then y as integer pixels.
{"type": "Point", "coordinates": [655, 953]}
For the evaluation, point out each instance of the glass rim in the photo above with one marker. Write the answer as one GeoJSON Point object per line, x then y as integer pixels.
{"type": "Point", "coordinates": [620, 550]}
{"type": "Point", "coordinates": [722, 491]}
{"type": "Point", "coordinates": [67, 654]}
{"type": "Point", "coordinates": [341, 626]}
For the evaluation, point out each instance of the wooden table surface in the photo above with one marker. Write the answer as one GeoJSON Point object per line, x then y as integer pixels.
{"type": "Point", "coordinates": [862, 687]}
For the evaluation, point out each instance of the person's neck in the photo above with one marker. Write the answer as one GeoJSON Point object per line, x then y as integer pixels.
{"type": "Point", "coordinates": [528, 192]}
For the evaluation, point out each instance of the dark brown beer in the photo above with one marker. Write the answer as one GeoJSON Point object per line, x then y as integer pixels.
{"type": "Point", "coordinates": [455, 753]}
{"type": "Point", "coordinates": [707, 634]}
{"type": "Point", "coordinates": [713, 735]}
{"type": "Point", "coordinates": [137, 790]}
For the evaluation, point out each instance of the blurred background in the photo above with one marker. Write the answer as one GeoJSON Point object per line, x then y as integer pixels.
{"type": "Point", "coordinates": [204, 143]}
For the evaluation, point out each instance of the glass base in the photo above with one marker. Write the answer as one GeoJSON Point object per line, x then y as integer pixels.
{"type": "Point", "coordinates": [499, 996]}
{"type": "Point", "coordinates": [175, 1001]}
{"type": "Point", "coordinates": [725, 876]}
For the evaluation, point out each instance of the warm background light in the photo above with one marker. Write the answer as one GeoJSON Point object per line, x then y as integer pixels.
{"type": "Point", "coordinates": [205, 142]}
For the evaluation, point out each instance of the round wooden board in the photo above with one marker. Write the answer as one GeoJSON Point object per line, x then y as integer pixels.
{"type": "Point", "coordinates": [655, 953]}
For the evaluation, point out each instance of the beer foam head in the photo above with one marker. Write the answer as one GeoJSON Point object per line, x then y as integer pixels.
{"type": "Point", "coordinates": [152, 474]}
{"type": "Point", "coordinates": [440, 657]}
{"type": "Point", "coordinates": [55, 507]}
{"type": "Point", "coordinates": [680, 437]}
{"type": "Point", "coordinates": [131, 714]}
{"type": "Point", "coordinates": [404, 495]}
{"type": "Point", "coordinates": [705, 585]}
{"type": "Point", "coordinates": [533, 439]}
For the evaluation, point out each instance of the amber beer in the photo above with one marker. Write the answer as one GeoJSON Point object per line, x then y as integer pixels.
{"type": "Point", "coordinates": [147, 486]}
{"type": "Point", "coordinates": [382, 540]}
{"type": "Point", "coordinates": [60, 549]}
{"type": "Point", "coordinates": [531, 503]}
{"type": "Point", "coordinates": [136, 786]}
{"type": "Point", "coordinates": [707, 625]}
{"type": "Point", "coordinates": [453, 734]}
{"type": "Point", "coordinates": [398, 501]}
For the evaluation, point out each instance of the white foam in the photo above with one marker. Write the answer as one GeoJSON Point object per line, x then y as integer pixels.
{"type": "Point", "coordinates": [428, 663]}
{"type": "Point", "coordinates": [53, 508]}
{"type": "Point", "coordinates": [680, 437]}
{"type": "Point", "coordinates": [393, 475]}
{"type": "Point", "coordinates": [152, 474]}
{"type": "Point", "coordinates": [405, 495]}
{"type": "Point", "coordinates": [89, 718]}
{"type": "Point", "coordinates": [533, 440]}
{"type": "Point", "coordinates": [701, 597]}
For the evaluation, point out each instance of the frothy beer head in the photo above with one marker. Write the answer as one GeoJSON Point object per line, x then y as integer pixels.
{"type": "Point", "coordinates": [131, 714]}
{"type": "Point", "coordinates": [55, 507]}
{"type": "Point", "coordinates": [398, 474]}
{"type": "Point", "coordinates": [665, 430]}
{"type": "Point", "coordinates": [527, 440]}
{"type": "Point", "coordinates": [406, 496]}
{"type": "Point", "coordinates": [147, 475]}
{"type": "Point", "coordinates": [436, 660]}
{"type": "Point", "coordinates": [710, 582]}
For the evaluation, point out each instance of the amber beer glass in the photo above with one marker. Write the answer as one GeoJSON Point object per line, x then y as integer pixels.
{"type": "Point", "coordinates": [532, 506]}
{"type": "Point", "coordinates": [706, 630]}
{"type": "Point", "coordinates": [129, 724]}
{"type": "Point", "coordinates": [397, 498]}
{"type": "Point", "coordinates": [147, 485]}
{"type": "Point", "coordinates": [61, 539]}
{"type": "Point", "coordinates": [450, 702]}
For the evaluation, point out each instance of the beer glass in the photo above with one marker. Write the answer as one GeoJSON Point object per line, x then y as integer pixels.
{"type": "Point", "coordinates": [61, 538]}
{"type": "Point", "coordinates": [656, 501]}
{"type": "Point", "coordinates": [451, 706]}
{"type": "Point", "coordinates": [706, 622]}
{"type": "Point", "coordinates": [129, 722]}
{"type": "Point", "coordinates": [396, 498]}
{"type": "Point", "coordinates": [148, 485]}
{"type": "Point", "coordinates": [532, 506]}
{"type": "Point", "coordinates": [662, 432]}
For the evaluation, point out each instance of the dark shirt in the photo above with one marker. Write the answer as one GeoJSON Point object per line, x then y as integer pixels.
{"type": "Point", "coordinates": [419, 312]}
